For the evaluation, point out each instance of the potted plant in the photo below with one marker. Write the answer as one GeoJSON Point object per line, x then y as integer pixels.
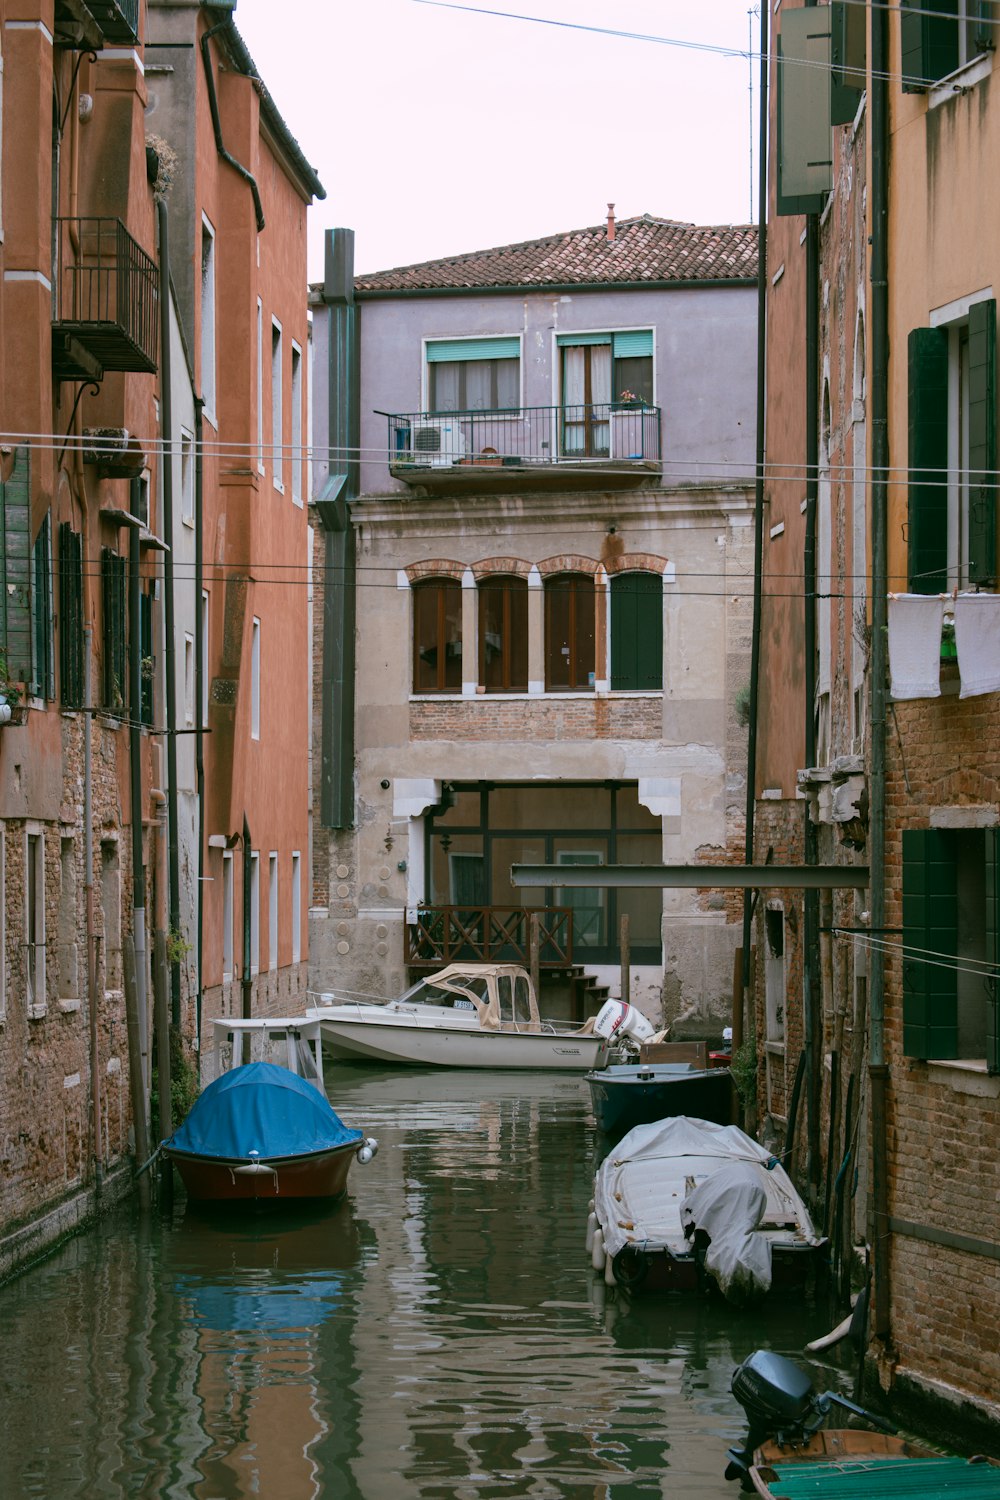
{"type": "Point", "coordinates": [10, 696]}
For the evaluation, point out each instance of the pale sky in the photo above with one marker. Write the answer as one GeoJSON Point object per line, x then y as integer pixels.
{"type": "Point", "coordinates": [436, 131]}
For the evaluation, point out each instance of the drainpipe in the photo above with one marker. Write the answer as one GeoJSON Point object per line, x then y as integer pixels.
{"type": "Point", "coordinates": [135, 765]}
{"type": "Point", "coordinates": [812, 1037]}
{"type": "Point", "coordinates": [170, 653]}
{"type": "Point", "coordinates": [213, 104]}
{"type": "Point", "coordinates": [199, 694]}
{"type": "Point", "coordinates": [878, 1071]}
{"type": "Point", "coordinates": [88, 887]}
{"type": "Point", "coordinates": [758, 526]}
{"type": "Point", "coordinates": [246, 984]}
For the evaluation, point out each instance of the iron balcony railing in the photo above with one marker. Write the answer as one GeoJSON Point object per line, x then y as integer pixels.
{"type": "Point", "coordinates": [525, 437]}
{"type": "Point", "coordinates": [118, 19]}
{"type": "Point", "coordinates": [104, 295]}
{"type": "Point", "coordinates": [488, 934]}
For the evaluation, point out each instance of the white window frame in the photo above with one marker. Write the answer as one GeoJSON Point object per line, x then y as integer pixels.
{"type": "Point", "coordinates": [277, 409]}
{"type": "Point", "coordinates": [188, 678]}
{"type": "Point", "coordinates": [255, 679]}
{"type": "Point", "coordinates": [297, 464]}
{"type": "Point", "coordinates": [228, 910]}
{"type": "Point", "coordinates": [272, 909]}
{"type": "Point", "coordinates": [187, 477]}
{"type": "Point", "coordinates": [34, 918]}
{"type": "Point", "coordinates": [503, 416]}
{"type": "Point", "coordinates": [260, 386]}
{"type": "Point", "coordinates": [954, 319]}
{"type": "Point", "coordinates": [208, 320]}
{"type": "Point", "coordinates": [296, 906]}
{"type": "Point", "coordinates": [205, 617]}
{"type": "Point", "coordinates": [254, 912]}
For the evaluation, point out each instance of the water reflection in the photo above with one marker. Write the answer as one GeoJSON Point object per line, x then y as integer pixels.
{"type": "Point", "coordinates": [438, 1334]}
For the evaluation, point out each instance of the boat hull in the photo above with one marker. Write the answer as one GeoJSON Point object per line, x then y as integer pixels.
{"type": "Point", "coordinates": [624, 1096]}
{"type": "Point", "coordinates": [322, 1175]}
{"type": "Point", "coordinates": [422, 1046]}
{"type": "Point", "coordinates": [854, 1462]}
{"type": "Point", "coordinates": [794, 1267]}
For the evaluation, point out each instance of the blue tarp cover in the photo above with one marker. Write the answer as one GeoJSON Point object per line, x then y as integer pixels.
{"type": "Point", "coordinates": [262, 1108]}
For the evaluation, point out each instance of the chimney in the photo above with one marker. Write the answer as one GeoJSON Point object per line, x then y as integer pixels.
{"type": "Point", "coordinates": [611, 222]}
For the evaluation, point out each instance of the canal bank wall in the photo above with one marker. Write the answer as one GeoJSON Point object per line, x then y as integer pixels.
{"type": "Point", "coordinates": [26, 1243]}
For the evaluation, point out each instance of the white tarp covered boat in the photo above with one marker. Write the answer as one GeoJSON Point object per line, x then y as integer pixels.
{"type": "Point", "coordinates": [685, 1197]}
{"type": "Point", "coordinates": [465, 1016]}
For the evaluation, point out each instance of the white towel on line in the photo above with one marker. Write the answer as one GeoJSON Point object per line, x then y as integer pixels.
{"type": "Point", "coordinates": [977, 643]}
{"type": "Point", "coordinates": [915, 622]}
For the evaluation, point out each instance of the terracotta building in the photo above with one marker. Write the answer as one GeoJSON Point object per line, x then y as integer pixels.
{"type": "Point", "coordinates": [546, 546]}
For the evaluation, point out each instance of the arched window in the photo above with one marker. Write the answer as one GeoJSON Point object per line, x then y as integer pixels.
{"type": "Point", "coordinates": [503, 634]}
{"type": "Point", "coordinates": [437, 636]}
{"type": "Point", "coordinates": [569, 632]}
{"type": "Point", "coordinates": [637, 631]}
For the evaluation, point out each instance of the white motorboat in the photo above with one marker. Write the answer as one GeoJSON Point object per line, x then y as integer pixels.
{"type": "Point", "coordinates": [465, 1016]}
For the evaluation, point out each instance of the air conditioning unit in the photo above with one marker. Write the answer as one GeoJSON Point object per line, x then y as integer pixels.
{"type": "Point", "coordinates": [436, 441]}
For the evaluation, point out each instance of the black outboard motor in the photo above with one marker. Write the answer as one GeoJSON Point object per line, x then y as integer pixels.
{"type": "Point", "coordinates": [781, 1405]}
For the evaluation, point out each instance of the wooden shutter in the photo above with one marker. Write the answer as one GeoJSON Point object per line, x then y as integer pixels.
{"type": "Point", "coordinates": [927, 532]}
{"type": "Point", "coordinates": [637, 631]}
{"type": "Point", "coordinates": [993, 948]}
{"type": "Point", "coordinates": [113, 601]}
{"type": "Point", "coordinates": [804, 144]}
{"type": "Point", "coordinates": [70, 617]}
{"type": "Point", "coordinates": [929, 42]}
{"type": "Point", "coordinates": [15, 568]}
{"type": "Point", "coordinates": [848, 42]}
{"type": "Point", "coordinates": [43, 674]}
{"type": "Point", "coordinates": [930, 924]}
{"type": "Point", "coordinates": [147, 661]}
{"type": "Point", "coordinates": [982, 441]}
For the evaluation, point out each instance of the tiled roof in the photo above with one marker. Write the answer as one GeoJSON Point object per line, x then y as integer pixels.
{"type": "Point", "coordinates": [644, 249]}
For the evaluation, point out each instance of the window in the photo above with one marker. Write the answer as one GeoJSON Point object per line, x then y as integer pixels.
{"type": "Point", "coordinates": [34, 920]}
{"type": "Point", "coordinates": [599, 372]}
{"type": "Point", "coordinates": [437, 636]}
{"type": "Point", "coordinates": [147, 661]}
{"type": "Point", "coordinates": [187, 477]}
{"type": "Point", "coordinates": [70, 617]}
{"type": "Point", "coordinates": [115, 663]}
{"type": "Point", "coordinates": [260, 386]}
{"type": "Point", "coordinates": [277, 453]}
{"type": "Point", "coordinates": [952, 505]}
{"type": "Point", "coordinates": [15, 567]}
{"type": "Point", "coordinates": [637, 631]}
{"type": "Point", "coordinates": [138, 498]}
{"type": "Point", "coordinates": [474, 374]}
{"type": "Point", "coordinates": [227, 916]}
{"type": "Point", "coordinates": [208, 318]}
{"type": "Point", "coordinates": [188, 679]}
{"type": "Point", "coordinates": [204, 658]}
{"type": "Point", "coordinates": [569, 632]}
{"type": "Point", "coordinates": [935, 44]}
{"type": "Point", "coordinates": [951, 943]}
{"type": "Point", "coordinates": [42, 666]}
{"type": "Point", "coordinates": [254, 911]}
{"type": "Point", "coordinates": [111, 912]}
{"type": "Point", "coordinates": [503, 635]}
{"type": "Point", "coordinates": [296, 907]}
{"type": "Point", "coordinates": [255, 681]}
{"type": "Point", "coordinates": [296, 424]}
{"type": "Point", "coordinates": [69, 979]}
{"type": "Point", "coordinates": [272, 909]}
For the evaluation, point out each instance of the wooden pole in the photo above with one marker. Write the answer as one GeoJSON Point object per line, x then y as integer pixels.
{"type": "Point", "coordinates": [137, 1090]}
{"type": "Point", "coordinates": [626, 958]}
{"type": "Point", "coordinates": [161, 1011]}
{"type": "Point", "coordinates": [737, 1000]}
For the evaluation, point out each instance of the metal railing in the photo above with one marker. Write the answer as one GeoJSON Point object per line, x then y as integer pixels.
{"type": "Point", "coordinates": [527, 436]}
{"type": "Point", "coordinates": [105, 290]}
{"type": "Point", "coordinates": [488, 934]}
{"type": "Point", "coordinates": [118, 19]}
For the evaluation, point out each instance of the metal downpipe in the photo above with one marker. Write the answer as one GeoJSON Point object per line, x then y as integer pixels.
{"type": "Point", "coordinates": [170, 651]}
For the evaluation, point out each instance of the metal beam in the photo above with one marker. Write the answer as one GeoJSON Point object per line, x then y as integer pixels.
{"type": "Point", "coordinates": [700, 877]}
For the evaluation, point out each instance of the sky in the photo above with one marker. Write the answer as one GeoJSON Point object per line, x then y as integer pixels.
{"type": "Point", "coordinates": [437, 131]}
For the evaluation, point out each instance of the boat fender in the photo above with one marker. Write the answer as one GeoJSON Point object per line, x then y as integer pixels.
{"type": "Point", "coordinates": [631, 1267]}
{"type": "Point", "coordinates": [609, 1271]}
{"type": "Point", "coordinates": [598, 1254]}
{"type": "Point", "coordinates": [367, 1149]}
{"type": "Point", "coordinates": [591, 1226]}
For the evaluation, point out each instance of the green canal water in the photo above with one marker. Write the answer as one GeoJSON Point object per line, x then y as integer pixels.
{"type": "Point", "coordinates": [438, 1334]}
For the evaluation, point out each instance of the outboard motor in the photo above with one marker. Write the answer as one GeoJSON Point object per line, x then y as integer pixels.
{"type": "Point", "coordinates": [782, 1406]}
{"type": "Point", "coordinates": [617, 1021]}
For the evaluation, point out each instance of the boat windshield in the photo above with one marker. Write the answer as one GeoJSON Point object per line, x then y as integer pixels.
{"type": "Point", "coordinates": [460, 993]}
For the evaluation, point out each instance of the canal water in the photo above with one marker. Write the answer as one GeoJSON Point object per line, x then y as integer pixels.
{"type": "Point", "coordinates": [438, 1334]}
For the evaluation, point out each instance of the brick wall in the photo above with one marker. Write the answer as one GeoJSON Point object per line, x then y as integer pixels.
{"type": "Point", "coordinates": [489, 717]}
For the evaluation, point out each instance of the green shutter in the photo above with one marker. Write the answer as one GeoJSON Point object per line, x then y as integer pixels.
{"type": "Point", "coordinates": [42, 671]}
{"type": "Point", "coordinates": [146, 658]}
{"type": "Point", "coordinates": [805, 145]}
{"type": "Point", "coordinates": [982, 441]}
{"type": "Point", "coordinates": [930, 924]}
{"type": "Point", "coordinates": [993, 949]}
{"type": "Point", "coordinates": [632, 345]}
{"type": "Point", "coordinates": [15, 568]}
{"type": "Point", "coordinates": [927, 530]}
{"type": "Point", "coordinates": [929, 42]}
{"type": "Point", "coordinates": [576, 340]}
{"type": "Point", "coordinates": [848, 42]}
{"type": "Point", "coordinates": [70, 617]}
{"type": "Point", "coordinates": [637, 631]}
{"type": "Point", "coordinates": [443, 351]}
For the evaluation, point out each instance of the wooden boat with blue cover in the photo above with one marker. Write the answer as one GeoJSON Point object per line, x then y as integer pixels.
{"type": "Point", "coordinates": [262, 1133]}
{"type": "Point", "coordinates": [852, 1464]}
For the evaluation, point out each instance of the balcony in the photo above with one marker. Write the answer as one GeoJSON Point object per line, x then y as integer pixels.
{"type": "Point", "coordinates": [88, 24]}
{"type": "Point", "coordinates": [488, 934]}
{"type": "Point", "coordinates": [535, 447]}
{"type": "Point", "coordinates": [118, 20]}
{"type": "Point", "coordinates": [104, 300]}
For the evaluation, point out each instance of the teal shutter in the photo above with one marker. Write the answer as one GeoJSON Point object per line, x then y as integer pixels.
{"type": "Point", "coordinates": [927, 530]}
{"type": "Point", "coordinates": [444, 351]}
{"type": "Point", "coordinates": [576, 340]}
{"type": "Point", "coordinates": [804, 145]}
{"type": "Point", "coordinates": [930, 923]}
{"type": "Point", "coordinates": [637, 631]}
{"type": "Point", "coordinates": [15, 569]}
{"type": "Point", "coordinates": [848, 43]}
{"type": "Point", "coordinates": [993, 949]}
{"type": "Point", "coordinates": [929, 42]}
{"type": "Point", "coordinates": [982, 441]}
{"type": "Point", "coordinates": [636, 345]}
{"type": "Point", "coordinates": [42, 670]}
